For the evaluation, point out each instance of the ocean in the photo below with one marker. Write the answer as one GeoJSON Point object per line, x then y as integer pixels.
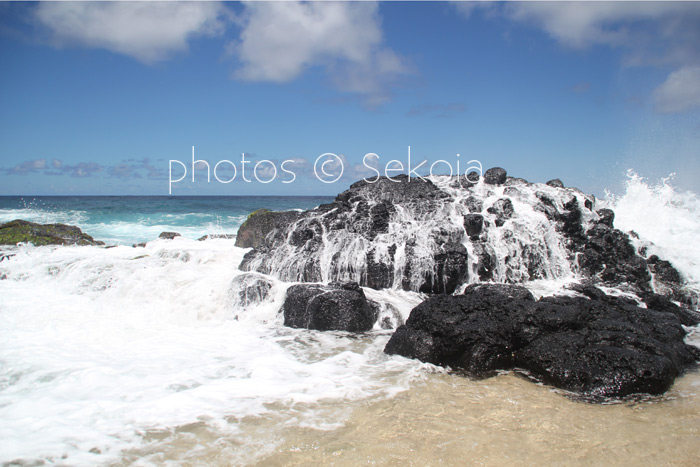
{"type": "Point", "coordinates": [125, 220]}
{"type": "Point", "coordinates": [142, 356]}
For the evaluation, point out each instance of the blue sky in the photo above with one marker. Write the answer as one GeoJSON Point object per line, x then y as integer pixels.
{"type": "Point", "coordinates": [98, 97]}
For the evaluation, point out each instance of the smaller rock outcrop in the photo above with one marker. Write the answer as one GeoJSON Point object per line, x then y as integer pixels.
{"type": "Point", "coordinates": [473, 223]}
{"type": "Point", "coordinates": [503, 210]}
{"type": "Point", "coordinates": [168, 235]}
{"type": "Point", "coordinates": [248, 289]}
{"type": "Point", "coordinates": [556, 183]}
{"type": "Point", "coordinates": [260, 223]}
{"type": "Point", "coordinates": [495, 176]}
{"type": "Point", "coordinates": [337, 306]}
{"type": "Point", "coordinates": [19, 231]}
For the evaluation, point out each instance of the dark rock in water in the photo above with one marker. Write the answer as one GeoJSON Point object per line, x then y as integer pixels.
{"type": "Point", "coordinates": [589, 291]}
{"type": "Point", "coordinates": [603, 252]}
{"type": "Point", "coordinates": [17, 231]}
{"type": "Point", "coordinates": [357, 223]}
{"type": "Point", "coordinates": [334, 307]}
{"type": "Point", "coordinates": [139, 245]}
{"type": "Point", "coordinates": [249, 289]}
{"type": "Point", "coordinates": [664, 270]}
{"type": "Point", "coordinates": [261, 223]}
{"type": "Point", "coordinates": [450, 269]}
{"type": "Point", "coordinates": [606, 217]}
{"type": "Point", "coordinates": [513, 192]}
{"type": "Point", "coordinates": [495, 176]}
{"type": "Point", "coordinates": [516, 181]}
{"type": "Point", "coordinates": [398, 190]}
{"type": "Point", "coordinates": [547, 206]}
{"type": "Point", "coordinates": [215, 236]}
{"type": "Point", "coordinates": [503, 210]}
{"type": "Point", "coordinates": [473, 223]}
{"type": "Point", "coordinates": [412, 233]}
{"type": "Point", "coordinates": [474, 204]}
{"type": "Point", "coordinates": [486, 261]}
{"type": "Point", "coordinates": [380, 214]}
{"type": "Point", "coordinates": [670, 283]}
{"type": "Point", "coordinates": [389, 316]}
{"type": "Point", "coordinates": [168, 235]}
{"type": "Point", "coordinates": [461, 331]}
{"type": "Point", "coordinates": [379, 273]}
{"type": "Point", "coordinates": [661, 303]}
{"type": "Point", "coordinates": [571, 218]}
{"type": "Point", "coordinates": [608, 255]}
{"type": "Point", "coordinates": [473, 177]}
{"type": "Point", "coordinates": [600, 348]}
{"type": "Point", "coordinates": [556, 183]}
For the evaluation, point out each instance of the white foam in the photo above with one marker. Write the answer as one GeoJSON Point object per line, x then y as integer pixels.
{"type": "Point", "coordinates": [43, 216]}
{"type": "Point", "coordinates": [666, 220]}
{"type": "Point", "coordinates": [100, 347]}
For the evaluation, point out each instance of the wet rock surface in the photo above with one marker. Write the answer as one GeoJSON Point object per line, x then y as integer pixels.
{"type": "Point", "coordinates": [495, 176]}
{"type": "Point", "coordinates": [249, 289]}
{"type": "Point", "coordinates": [406, 233]}
{"type": "Point", "coordinates": [600, 347]}
{"type": "Point", "coordinates": [261, 223]}
{"type": "Point", "coordinates": [168, 235]}
{"type": "Point", "coordinates": [333, 307]}
{"type": "Point", "coordinates": [354, 232]}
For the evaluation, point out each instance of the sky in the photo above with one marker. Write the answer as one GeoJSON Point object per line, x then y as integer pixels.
{"type": "Point", "coordinates": [110, 98]}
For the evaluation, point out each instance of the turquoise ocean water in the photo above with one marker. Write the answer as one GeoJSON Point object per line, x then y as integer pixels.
{"type": "Point", "coordinates": [132, 219]}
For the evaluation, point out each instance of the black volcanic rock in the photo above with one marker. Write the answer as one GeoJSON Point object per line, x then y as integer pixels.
{"type": "Point", "coordinates": [17, 231]}
{"type": "Point", "coordinates": [474, 204]}
{"type": "Point", "coordinates": [660, 303]}
{"type": "Point", "coordinates": [473, 223]}
{"type": "Point", "coordinates": [556, 183]}
{"type": "Point", "coordinates": [609, 255]}
{"type": "Point", "coordinates": [606, 217]}
{"type": "Point", "coordinates": [495, 176]}
{"type": "Point", "coordinates": [261, 223]}
{"type": "Point", "coordinates": [503, 209]}
{"type": "Point", "coordinates": [414, 234]}
{"type": "Point", "coordinates": [600, 348]}
{"type": "Point", "coordinates": [168, 235]}
{"type": "Point", "coordinates": [360, 217]}
{"type": "Point", "coordinates": [249, 289]}
{"type": "Point", "coordinates": [664, 270]}
{"type": "Point", "coordinates": [473, 177]}
{"type": "Point", "coordinates": [334, 307]}
{"type": "Point", "coordinates": [379, 273]}
{"type": "Point", "coordinates": [450, 269]}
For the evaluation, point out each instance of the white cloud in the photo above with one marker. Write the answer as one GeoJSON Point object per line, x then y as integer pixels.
{"type": "Point", "coordinates": [147, 31]}
{"type": "Point", "coordinates": [659, 34]}
{"type": "Point", "coordinates": [580, 24]}
{"type": "Point", "coordinates": [281, 40]}
{"type": "Point", "coordinates": [680, 91]}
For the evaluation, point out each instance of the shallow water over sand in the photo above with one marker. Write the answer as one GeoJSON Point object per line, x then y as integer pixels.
{"type": "Point", "coordinates": [505, 420]}
{"type": "Point", "coordinates": [452, 420]}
